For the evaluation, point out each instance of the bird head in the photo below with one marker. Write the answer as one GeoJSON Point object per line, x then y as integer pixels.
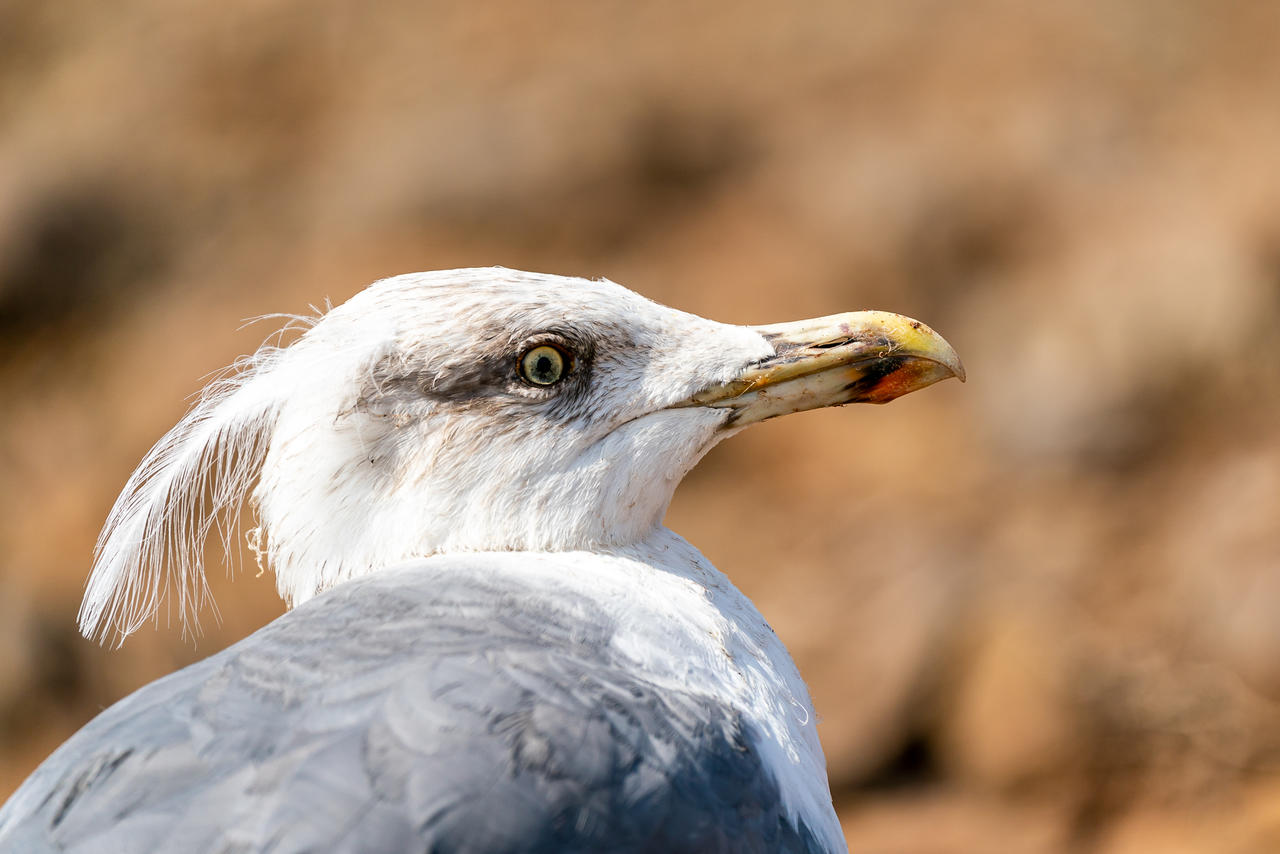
{"type": "Point", "coordinates": [471, 410]}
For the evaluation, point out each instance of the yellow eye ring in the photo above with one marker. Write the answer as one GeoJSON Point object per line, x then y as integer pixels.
{"type": "Point", "coordinates": [543, 365]}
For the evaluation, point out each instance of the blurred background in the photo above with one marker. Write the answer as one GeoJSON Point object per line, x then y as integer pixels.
{"type": "Point", "coordinates": [1039, 612]}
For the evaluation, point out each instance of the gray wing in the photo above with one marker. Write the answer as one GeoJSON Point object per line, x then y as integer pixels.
{"type": "Point", "coordinates": [409, 711]}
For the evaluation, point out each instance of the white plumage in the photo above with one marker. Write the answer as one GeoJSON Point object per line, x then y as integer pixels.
{"type": "Point", "coordinates": [348, 484]}
{"type": "Point", "coordinates": [400, 431]}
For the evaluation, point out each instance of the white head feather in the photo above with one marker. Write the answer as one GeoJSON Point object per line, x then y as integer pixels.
{"type": "Point", "coordinates": [397, 427]}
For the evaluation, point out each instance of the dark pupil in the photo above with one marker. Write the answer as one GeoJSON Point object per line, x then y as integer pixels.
{"type": "Point", "coordinates": [544, 366]}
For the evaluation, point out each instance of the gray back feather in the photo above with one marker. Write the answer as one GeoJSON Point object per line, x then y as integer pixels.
{"type": "Point", "coordinates": [413, 710]}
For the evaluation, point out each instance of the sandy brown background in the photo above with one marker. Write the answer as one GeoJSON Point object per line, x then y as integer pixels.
{"type": "Point", "coordinates": [1040, 612]}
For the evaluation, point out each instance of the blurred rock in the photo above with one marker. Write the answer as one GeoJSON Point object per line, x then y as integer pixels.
{"type": "Point", "coordinates": [1038, 612]}
{"type": "Point", "coordinates": [1011, 724]}
{"type": "Point", "coordinates": [75, 254]}
{"type": "Point", "coordinates": [949, 822]}
{"type": "Point", "coordinates": [17, 661]}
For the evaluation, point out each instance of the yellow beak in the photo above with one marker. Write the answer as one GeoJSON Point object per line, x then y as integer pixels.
{"type": "Point", "coordinates": [857, 357]}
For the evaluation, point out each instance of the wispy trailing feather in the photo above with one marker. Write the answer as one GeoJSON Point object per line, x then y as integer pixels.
{"type": "Point", "coordinates": [196, 476]}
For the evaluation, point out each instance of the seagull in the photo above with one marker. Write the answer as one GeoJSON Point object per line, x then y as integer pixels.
{"type": "Point", "coordinates": [493, 643]}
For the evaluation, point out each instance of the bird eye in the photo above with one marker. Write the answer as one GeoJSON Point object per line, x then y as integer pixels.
{"type": "Point", "coordinates": [543, 365]}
